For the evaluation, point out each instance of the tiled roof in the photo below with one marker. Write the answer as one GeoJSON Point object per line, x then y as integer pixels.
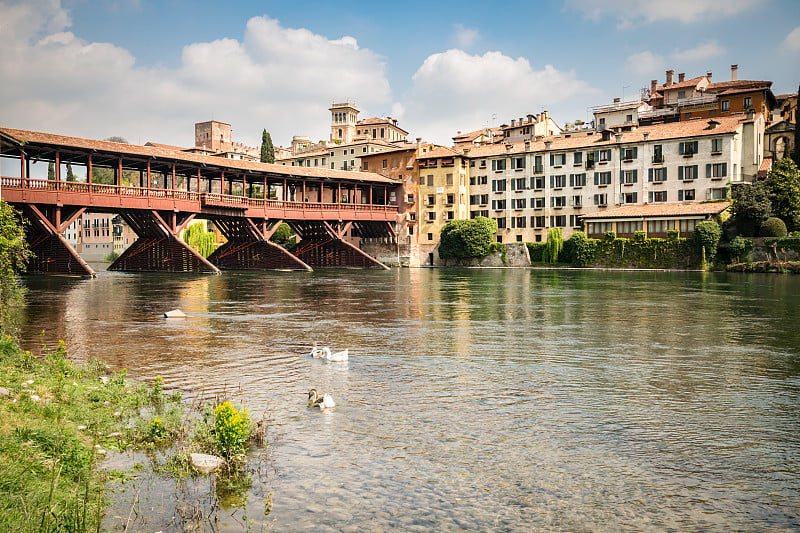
{"type": "Point", "coordinates": [738, 84]}
{"type": "Point", "coordinates": [472, 135]}
{"type": "Point", "coordinates": [681, 85]}
{"type": "Point", "coordinates": [766, 166]}
{"type": "Point", "coordinates": [440, 151]}
{"type": "Point", "coordinates": [661, 210]}
{"type": "Point", "coordinates": [134, 150]}
{"type": "Point", "coordinates": [167, 146]}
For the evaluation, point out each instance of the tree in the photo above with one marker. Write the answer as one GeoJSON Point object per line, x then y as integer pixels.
{"type": "Point", "coordinates": [14, 254]}
{"type": "Point", "coordinates": [772, 227]}
{"type": "Point", "coordinates": [796, 149]}
{"type": "Point", "coordinates": [199, 238]}
{"type": "Point", "coordinates": [117, 139]}
{"type": "Point", "coordinates": [553, 246]}
{"type": "Point", "coordinates": [267, 150]}
{"type": "Point", "coordinates": [785, 181]}
{"type": "Point", "coordinates": [465, 239]}
{"type": "Point", "coordinates": [706, 235]}
{"type": "Point", "coordinates": [752, 204]}
{"type": "Point", "coordinates": [284, 236]}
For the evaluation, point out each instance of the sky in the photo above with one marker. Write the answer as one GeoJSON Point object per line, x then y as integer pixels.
{"type": "Point", "coordinates": [147, 70]}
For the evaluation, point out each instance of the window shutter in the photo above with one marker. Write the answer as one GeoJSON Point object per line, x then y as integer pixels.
{"type": "Point", "coordinates": [694, 147]}
{"type": "Point", "coordinates": [664, 174]}
{"type": "Point", "coordinates": [708, 170]}
{"type": "Point", "coordinates": [635, 195]}
{"type": "Point", "coordinates": [552, 221]}
{"type": "Point", "coordinates": [649, 174]}
{"type": "Point", "coordinates": [666, 193]}
{"type": "Point", "coordinates": [681, 148]}
{"type": "Point", "coordinates": [649, 196]}
{"type": "Point", "coordinates": [596, 155]}
{"type": "Point", "coordinates": [608, 154]}
{"type": "Point", "coordinates": [724, 169]}
{"type": "Point", "coordinates": [552, 182]}
{"type": "Point", "coordinates": [708, 194]}
{"type": "Point", "coordinates": [595, 179]}
{"type": "Point", "coordinates": [680, 195]}
{"type": "Point", "coordinates": [635, 152]}
{"type": "Point", "coordinates": [572, 180]}
{"type": "Point", "coordinates": [694, 171]}
{"type": "Point", "coordinates": [635, 175]}
{"type": "Point", "coordinates": [552, 160]}
{"type": "Point", "coordinates": [622, 176]}
{"type": "Point", "coordinates": [680, 173]}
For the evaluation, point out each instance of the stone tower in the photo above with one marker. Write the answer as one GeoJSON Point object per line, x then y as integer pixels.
{"type": "Point", "coordinates": [343, 122]}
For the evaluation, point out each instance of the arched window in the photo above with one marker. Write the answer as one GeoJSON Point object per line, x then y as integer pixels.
{"type": "Point", "coordinates": [781, 148]}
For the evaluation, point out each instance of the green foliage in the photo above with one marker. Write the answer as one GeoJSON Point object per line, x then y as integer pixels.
{"type": "Point", "coordinates": [610, 235]}
{"type": "Point", "coordinates": [267, 149]}
{"type": "Point", "coordinates": [639, 236]}
{"type": "Point", "coordinates": [465, 239]}
{"type": "Point", "coordinates": [111, 257]}
{"type": "Point", "coordinates": [535, 251]}
{"type": "Point", "coordinates": [284, 236]}
{"type": "Point", "coordinates": [202, 240]}
{"type": "Point", "coordinates": [14, 254]}
{"type": "Point", "coordinates": [785, 181]}
{"type": "Point", "coordinates": [673, 234]}
{"type": "Point", "coordinates": [706, 237]}
{"type": "Point", "coordinates": [650, 253]}
{"type": "Point", "coordinates": [772, 227]}
{"type": "Point", "coordinates": [581, 251]}
{"type": "Point", "coordinates": [231, 430]}
{"type": "Point", "coordinates": [553, 246]}
{"type": "Point", "coordinates": [752, 203]}
{"type": "Point", "coordinates": [739, 248]}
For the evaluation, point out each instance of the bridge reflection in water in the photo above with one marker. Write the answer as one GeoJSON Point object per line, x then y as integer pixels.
{"type": "Point", "coordinates": [158, 192]}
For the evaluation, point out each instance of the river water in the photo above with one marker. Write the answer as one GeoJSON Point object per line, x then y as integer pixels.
{"type": "Point", "coordinates": [479, 400]}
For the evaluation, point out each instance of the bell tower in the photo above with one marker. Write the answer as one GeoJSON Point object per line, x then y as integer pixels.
{"type": "Point", "coordinates": [343, 122]}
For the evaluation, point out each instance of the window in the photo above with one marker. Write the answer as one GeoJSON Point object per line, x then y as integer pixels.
{"type": "Point", "coordinates": [498, 164]}
{"type": "Point", "coordinates": [601, 199]}
{"type": "Point", "coordinates": [577, 158]}
{"type": "Point", "coordinates": [498, 205]}
{"type": "Point", "coordinates": [628, 198]}
{"type": "Point", "coordinates": [538, 166]}
{"type": "Point", "coordinates": [558, 221]}
{"type": "Point", "coordinates": [518, 203]}
{"type": "Point", "coordinates": [602, 178]}
{"type": "Point", "coordinates": [657, 174]}
{"type": "Point", "coordinates": [687, 148]}
{"type": "Point", "coordinates": [628, 154]}
{"type": "Point", "coordinates": [658, 154]}
{"type": "Point", "coordinates": [603, 155]}
{"type": "Point", "coordinates": [450, 198]}
{"type": "Point", "coordinates": [657, 196]}
{"type": "Point", "coordinates": [577, 180]}
{"type": "Point", "coordinates": [628, 119]}
{"type": "Point", "coordinates": [352, 151]}
{"type": "Point", "coordinates": [448, 179]}
{"type": "Point", "coordinates": [501, 223]}
{"type": "Point", "coordinates": [411, 230]}
{"type": "Point", "coordinates": [537, 182]}
{"type": "Point", "coordinates": [518, 222]}
{"type": "Point", "coordinates": [558, 201]}
{"type": "Point", "coordinates": [537, 203]}
{"type": "Point", "coordinates": [483, 163]}
{"type": "Point", "coordinates": [688, 172]}
{"type": "Point", "coordinates": [430, 180]}
{"type": "Point", "coordinates": [725, 105]}
{"type": "Point", "coordinates": [385, 163]}
{"type": "Point", "coordinates": [717, 193]}
{"type": "Point", "coordinates": [498, 185]}
{"type": "Point", "coordinates": [430, 216]}
{"type": "Point", "coordinates": [517, 163]}
{"type": "Point", "coordinates": [450, 215]}
{"type": "Point", "coordinates": [602, 124]}
{"type": "Point", "coordinates": [558, 159]}
{"type": "Point", "coordinates": [430, 236]}
{"type": "Point", "coordinates": [687, 226]}
{"type": "Point", "coordinates": [716, 145]}
{"type": "Point", "coordinates": [748, 102]}
{"type": "Point", "coordinates": [716, 170]}
{"type": "Point", "coordinates": [628, 176]}
{"type": "Point", "coordinates": [483, 180]}
{"type": "Point", "coordinates": [365, 166]}
{"type": "Point", "coordinates": [558, 181]}
{"type": "Point", "coordinates": [431, 200]}
{"type": "Point", "coordinates": [364, 150]}
{"type": "Point", "coordinates": [685, 195]}
{"type": "Point", "coordinates": [519, 184]}
{"type": "Point", "coordinates": [537, 222]}
{"type": "Point", "coordinates": [681, 95]}
{"type": "Point", "coordinates": [576, 201]}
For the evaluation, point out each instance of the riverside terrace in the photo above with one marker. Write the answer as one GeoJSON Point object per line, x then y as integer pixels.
{"type": "Point", "coordinates": [53, 179]}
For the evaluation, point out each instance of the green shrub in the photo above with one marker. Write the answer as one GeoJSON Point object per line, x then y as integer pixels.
{"type": "Point", "coordinates": [465, 239]}
{"type": "Point", "coordinates": [582, 250]}
{"type": "Point", "coordinates": [284, 236]}
{"type": "Point", "coordinates": [706, 236]}
{"type": "Point", "coordinates": [231, 430]}
{"type": "Point", "coordinates": [535, 251]}
{"type": "Point", "coordinates": [739, 248]}
{"type": "Point", "coordinates": [673, 234]}
{"type": "Point", "coordinates": [610, 235]}
{"type": "Point", "coordinates": [639, 236]}
{"type": "Point", "coordinates": [553, 246]}
{"type": "Point", "coordinates": [773, 227]}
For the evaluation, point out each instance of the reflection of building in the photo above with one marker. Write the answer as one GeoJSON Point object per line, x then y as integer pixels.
{"type": "Point", "coordinates": [96, 240]}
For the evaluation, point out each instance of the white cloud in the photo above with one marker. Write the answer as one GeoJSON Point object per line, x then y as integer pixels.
{"type": "Point", "coordinates": [699, 53]}
{"type": "Point", "coordinates": [276, 78]}
{"type": "Point", "coordinates": [645, 62]}
{"type": "Point", "coordinates": [792, 41]}
{"type": "Point", "coordinates": [454, 90]}
{"type": "Point", "coordinates": [465, 37]}
{"type": "Point", "coordinates": [629, 12]}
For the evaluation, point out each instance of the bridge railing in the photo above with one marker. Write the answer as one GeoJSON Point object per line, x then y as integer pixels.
{"type": "Point", "coordinates": [209, 199]}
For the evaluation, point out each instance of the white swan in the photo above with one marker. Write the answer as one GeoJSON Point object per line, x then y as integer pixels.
{"type": "Point", "coordinates": [314, 400]}
{"type": "Point", "coordinates": [317, 351]}
{"type": "Point", "coordinates": [336, 357]}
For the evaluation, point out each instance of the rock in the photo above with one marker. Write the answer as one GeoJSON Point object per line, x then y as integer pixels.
{"type": "Point", "coordinates": [117, 413]}
{"type": "Point", "coordinates": [4, 392]}
{"type": "Point", "coordinates": [175, 313]}
{"type": "Point", "coordinates": [81, 428]}
{"type": "Point", "coordinates": [104, 379]}
{"type": "Point", "coordinates": [115, 434]}
{"type": "Point", "coordinates": [205, 463]}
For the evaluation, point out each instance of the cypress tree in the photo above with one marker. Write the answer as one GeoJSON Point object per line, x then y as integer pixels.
{"type": "Point", "coordinates": [267, 150]}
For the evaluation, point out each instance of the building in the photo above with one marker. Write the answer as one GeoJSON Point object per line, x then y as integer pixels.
{"type": "Point", "coordinates": [654, 220]}
{"type": "Point", "coordinates": [779, 137]}
{"type": "Point", "coordinates": [529, 128]}
{"type": "Point", "coordinates": [384, 129]}
{"type": "Point", "coordinates": [619, 115]}
{"type": "Point", "coordinates": [479, 137]}
{"type": "Point", "coordinates": [215, 138]}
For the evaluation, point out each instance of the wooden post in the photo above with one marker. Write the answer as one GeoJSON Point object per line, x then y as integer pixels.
{"type": "Point", "coordinates": [119, 172]}
{"type": "Point", "coordinates": [148, 174]}
{"type": "Point", "coordinates": [22, 164]}
{"type": "Point", "coordinates": [305, 198]}
{"type": "Point", "coordinates": [199, 180]}
{"type": "Point", "coordinates": [285, 191]}
{"type": "Point", "coordinates": [89, 171]}
{"type": "Point", "coordinates": [58, 170]}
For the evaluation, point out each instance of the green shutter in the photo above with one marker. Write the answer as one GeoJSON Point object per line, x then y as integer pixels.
{"type": "Point", "coordinates": [680, 173]}
{"type": "Point", "coordinates": [708, 170]}
{"type": "Point", "coordinates": [649, 174]}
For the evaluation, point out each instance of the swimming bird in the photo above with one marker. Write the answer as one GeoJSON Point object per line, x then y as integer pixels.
{"type": "Point", "coordinates": [318, 352]}
{"type": "Point", "coordinates": [314, 400]}
{"type": "Point", "coordinates": [336, 357]}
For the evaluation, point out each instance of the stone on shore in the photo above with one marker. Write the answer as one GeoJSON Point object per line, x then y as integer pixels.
{"type": "Point", "coordinates": [175, 313]}
{"type": "Point", "coordinates": [205, 463]}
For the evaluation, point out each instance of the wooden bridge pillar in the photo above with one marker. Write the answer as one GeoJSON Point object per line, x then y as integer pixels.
{"type": "Point", "coordinates": [158, 247]}
{"type": "Point", "coordinates": [323, 246]}
{"type": "Point", "coordinates": [249, 248]}
{"type": "Point", "coordinates": [52, 253]}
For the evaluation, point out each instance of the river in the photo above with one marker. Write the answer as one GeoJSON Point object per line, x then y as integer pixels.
{"type": "Point", "coordinates": [479, 400]}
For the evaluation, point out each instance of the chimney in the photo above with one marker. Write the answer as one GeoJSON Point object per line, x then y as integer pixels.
{"type": "Point", "coordinates": [466, 151]}
{"type": "Point", "coordinates": [734, 72]}
{"type": "Point", "coordinates": [530, 118]}
{"type": "Point", "coordinates": [527, 146]}
{"type": "Point", "coordinates": [653, 85]}
{"type": "Point", "coordinates": [670, 74]}
{"type": "Point", "coordinates": [681, 77]}
{"type": "Point", "coordinates": [509, 147]}
{"type": "Point", "coordinates": [547, 144]}
{"type": "Point", "coordinates": [646, 135]}
{"type": "Point", "coordinates": [513, 122]}
{"type": "Point", "coordinates": [520, 121]}
{"type": "Point", "coordinates": [616, 100]}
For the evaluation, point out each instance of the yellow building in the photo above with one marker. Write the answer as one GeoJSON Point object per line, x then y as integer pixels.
{"type": "Point", "coordinates": [443, 177]}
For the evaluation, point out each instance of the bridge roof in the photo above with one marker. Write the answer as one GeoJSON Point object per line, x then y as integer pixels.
{"type": "Point", "coordinates": [54, 141]}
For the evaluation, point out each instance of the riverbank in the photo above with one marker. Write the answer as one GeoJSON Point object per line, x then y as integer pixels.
{"type": "Point", "coordinates": [59, 422]}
